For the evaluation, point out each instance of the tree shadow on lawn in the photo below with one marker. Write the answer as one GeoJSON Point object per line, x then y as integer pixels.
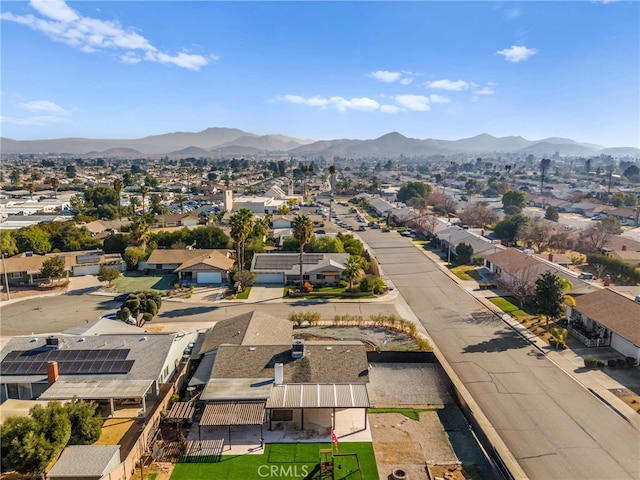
{"type": "Point", "coordinates": [186, 311]}
{"type": "Point", "coordinates": [504, 340]}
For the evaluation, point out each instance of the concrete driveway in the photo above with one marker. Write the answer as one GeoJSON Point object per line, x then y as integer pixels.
{"type": "Point", "coordinates": [266, 293]}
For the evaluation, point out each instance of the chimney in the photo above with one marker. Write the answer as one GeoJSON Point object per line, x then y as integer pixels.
{"type": "Point", "coordinates": [52, 372]}
{"type": "Point", "coordinates": [624, 248]}
{"type": "Point", "coordinates": [550, 257]}
{"type": "Point", "coordinates": [607, 280]}
{"type": "Point", "coordinates": [279, 372]}
{"type": "Point", "coordinates": [482, 232]}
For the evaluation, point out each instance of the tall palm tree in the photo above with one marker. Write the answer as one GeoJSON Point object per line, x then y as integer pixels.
{"type": "Point", "coordinates": [55, 185]}
{"type": "Point", "coordinates": [144, 190]}
{"type": "Point", "coordinates": [303, 232]}
{"type": "Point", "coordinates": [180, 198]}
{"type": "Point", "coordinates": [241, 227]}
{"type": "Point", "coordinates": [118, 186]}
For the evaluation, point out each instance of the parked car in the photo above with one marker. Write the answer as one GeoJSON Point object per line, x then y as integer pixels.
{"type": "Point", "coordinates": [385, 229]}
{"type": "Point", "coordinates": [362, 228]}
{"type": "Point", "coordinates": [585, 276]}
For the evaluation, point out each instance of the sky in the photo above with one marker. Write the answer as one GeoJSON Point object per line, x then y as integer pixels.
{"type": "Point", "coordinates": [322, 70]}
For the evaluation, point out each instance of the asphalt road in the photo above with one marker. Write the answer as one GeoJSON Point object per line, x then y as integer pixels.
{"type": "Point", "coordinates": [55, 314]}
{"type": "Point", "coordinates": [553, 426]}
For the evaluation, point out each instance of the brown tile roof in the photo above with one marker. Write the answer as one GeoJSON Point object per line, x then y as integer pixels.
{"type": "Point", "coordinates": [614, 310]}
{"type": "Point", "coordinates": [33, 263]}
{"type": "Point", "coordinates": [181, 255]}
{"type": "Point", "coordinates": [214, 259]}
{"type": "Point", "coordinates": [323, 362]}
{"type": "Point", "coordinates": [251, 328]}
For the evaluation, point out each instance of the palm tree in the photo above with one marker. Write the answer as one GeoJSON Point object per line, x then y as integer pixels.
{"type": "Point", "coordinates": [180, 198]}
{"type": "Point", "coordinates": [55, 185]}
{"type": "Point", "coordinates": [241, 227]}
{"type": "Point", "coordinates": [354, 268]}
{"type": "Point", "coordinates": [32, 188]}
{"type": "Point", "coordinates": [118, 186]}
{"type": "Point", "coordinates": [144, 190]}
{"type": "Point", "coordinates": [139, 232]}
{"type": "Point", "coordinates": [303, 232]}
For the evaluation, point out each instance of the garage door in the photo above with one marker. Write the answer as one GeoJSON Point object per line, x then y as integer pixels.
{"type": "Point", "coordinates": [86, 270]}
{"type": "Point", "coordinates": [209, 277]}
{"type": "Point", "coordinates": [269, 278]}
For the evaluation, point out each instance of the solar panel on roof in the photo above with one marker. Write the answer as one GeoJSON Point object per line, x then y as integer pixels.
{"type": "Point", "coordinates": [82, 355]}
{"type": "Point", "coordinates": [70, 362]}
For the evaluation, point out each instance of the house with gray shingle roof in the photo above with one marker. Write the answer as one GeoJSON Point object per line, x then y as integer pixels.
{"type": "Point", "coordinates": [317, 268]}
{"type": "Point", "coordinates": [113, 367]}
{"type": "Point", "coordinates": [607, 318]}
{"type": "Point", "coordinates": [85, 462]}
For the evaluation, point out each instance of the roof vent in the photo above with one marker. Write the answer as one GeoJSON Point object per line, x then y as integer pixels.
{"type": "Point", "coordinates": [252, 349]}
{"type": "Point", "coordinates": [329, 347]}
{"type": "Point", "coordinates": [81, 339]}
{"type": "Point", "coordinates": [53, 342]}
{"type": "Point", "coordinates": [143, 339]}
{"type": "Point", "coordinates": [297, 349]}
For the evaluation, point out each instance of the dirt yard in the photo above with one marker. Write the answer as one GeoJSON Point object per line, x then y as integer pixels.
{"type": "Point", "coordinates": [402, 443]}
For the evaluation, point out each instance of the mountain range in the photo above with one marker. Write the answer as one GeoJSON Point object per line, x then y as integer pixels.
{"type": "Point", "coordinates": [231, 141]}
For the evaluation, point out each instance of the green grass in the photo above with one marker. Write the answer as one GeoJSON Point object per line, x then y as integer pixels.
{"type": "Point", "coordinates": [244, 294]}
{"type": "Point", "coordinates": [411, 413]}
{"type": "Point", "coordinates": [508, 307]}
{"type": "Point", "coordinates": [136, 281]}
{"type": "Point", "coordinates": [465, 272]}
{"type": "Point", "coordinates": [288, 460]}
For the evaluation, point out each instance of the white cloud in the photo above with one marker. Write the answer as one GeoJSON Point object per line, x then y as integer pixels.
{"type": "Point", "coordinates": [43, 106]}
{"type": "Point", "coordinates": [438, 99]}
{"type": "Point", "coordinates": [485, 91]}
{"type": "Point", "coordinates": [62, 24]}
{"type": "Point", "coordinates": [340, 103]}
{"type": "Point", "coordinates": [418, 103]}
{"type": "Point", "coordinates": [513, 13]}
{"type": "Point", "coordinates": [517, 53]}
{"type": "Point", "coordinates": [385, 76]}
{"type": "Point", "coordinates": [34, 121]}
{"type": "Point", "coordinates": [391, 109]}
{"type": "Point", "coordinates": [406, 81]}
{"type": "Point", "coordinates": [453, 86]}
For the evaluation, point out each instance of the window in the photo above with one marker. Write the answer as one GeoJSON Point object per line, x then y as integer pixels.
{"type": "Point", "coordinates": [282, 415]}
{"type": "Point", "coordinates": [16, 274]}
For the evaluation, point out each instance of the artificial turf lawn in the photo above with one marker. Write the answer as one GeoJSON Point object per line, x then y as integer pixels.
{"type": "Point", "coordinates": [283, 461]}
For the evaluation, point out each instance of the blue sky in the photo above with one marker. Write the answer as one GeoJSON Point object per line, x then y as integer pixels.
{"type": "Point", "coordinates": [322, 70]}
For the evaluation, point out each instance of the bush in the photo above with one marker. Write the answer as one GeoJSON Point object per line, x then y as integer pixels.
{"type": "Point", "coordinates": [343, 284]}
{"type": "Point", "coordinates": [621, 362]}
{"type": "Point", "coordinates": [366, 284]}
{"type": "Point", "coordinates": [630, 361]}
{"type": "Point", "coordinates": [590, 362]}
{"type": "Point", "coordinates": [307, 287]}
{"type": "Point", "coordinates": [612, 363]}
{"type": "Point", "coordinates": [600, 363]}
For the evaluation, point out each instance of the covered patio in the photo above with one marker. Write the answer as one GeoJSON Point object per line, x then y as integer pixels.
{"type": "Point", "coordinates": [130, 394]}
{"type": "Point", "coordinates": [233, 413]}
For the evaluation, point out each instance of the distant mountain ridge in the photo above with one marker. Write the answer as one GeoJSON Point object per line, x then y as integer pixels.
{"type": "Point", "coordinates": [230, 141]}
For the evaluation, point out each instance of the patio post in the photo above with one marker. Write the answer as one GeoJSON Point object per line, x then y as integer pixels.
{"type": "Point", "coordinates": [229, 437]}
{"type": "Point", "coordinates": [302, 418]}
{"type": "Point", "coordinates": [365, 418]}
{"type": "Point", "coordinates": [333, 419]}
{"type": "Point", "coordinates": [111, 405]}
{"type": "Point", "coordinates": [199, 436]}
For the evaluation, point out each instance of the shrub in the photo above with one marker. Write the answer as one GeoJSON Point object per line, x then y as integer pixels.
{"type": "Point", "coordinates": [343, 284]}
{"type": "Point", "coordinates": [630, 361]}
{"type": "Point", "coordinates": [621, 362]}
{"type": "Point", "coordinates": [600, 363]}
{"type": "Point", "coordinates": [590, 362]}
{"type": "Point", "coordinates": [307, 287]}
{"type": "Point", "coordinates": [366, 284]}
{"type": "Point", "coordinates": [378, 286]}
{"type": "Point", "coordinates": [612, 363]}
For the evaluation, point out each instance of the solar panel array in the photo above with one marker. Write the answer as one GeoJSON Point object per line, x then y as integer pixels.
{"type": "Point", "coordinates": [283, 261]}
{"type": "Point", "coordinates": [70, 362]}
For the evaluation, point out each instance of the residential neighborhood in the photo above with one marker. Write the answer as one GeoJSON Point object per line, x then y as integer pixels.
{"type": "Point", "coordinates": [238, 308]}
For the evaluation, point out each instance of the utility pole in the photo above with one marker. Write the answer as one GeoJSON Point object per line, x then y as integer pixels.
{"type": "Point", "coordinates": [6, 278]}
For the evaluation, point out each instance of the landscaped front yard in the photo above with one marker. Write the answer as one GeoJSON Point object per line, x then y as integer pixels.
{"type": "Point", "coordinates": [138, 281]}
{"type": "Point", "coordinates": [285, 461]}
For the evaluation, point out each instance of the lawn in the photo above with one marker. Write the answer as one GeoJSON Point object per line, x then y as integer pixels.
{"type": "Point", "coordinates": [137, 281]}
{"type": "Point", "coordinates": [466, 272]}
{"type": "Point", "coordinates": [284, 461]}
{"type": "Point", "coordinates": [244, 295]}
{"type": "Point", "coordinates": [508, 307]}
